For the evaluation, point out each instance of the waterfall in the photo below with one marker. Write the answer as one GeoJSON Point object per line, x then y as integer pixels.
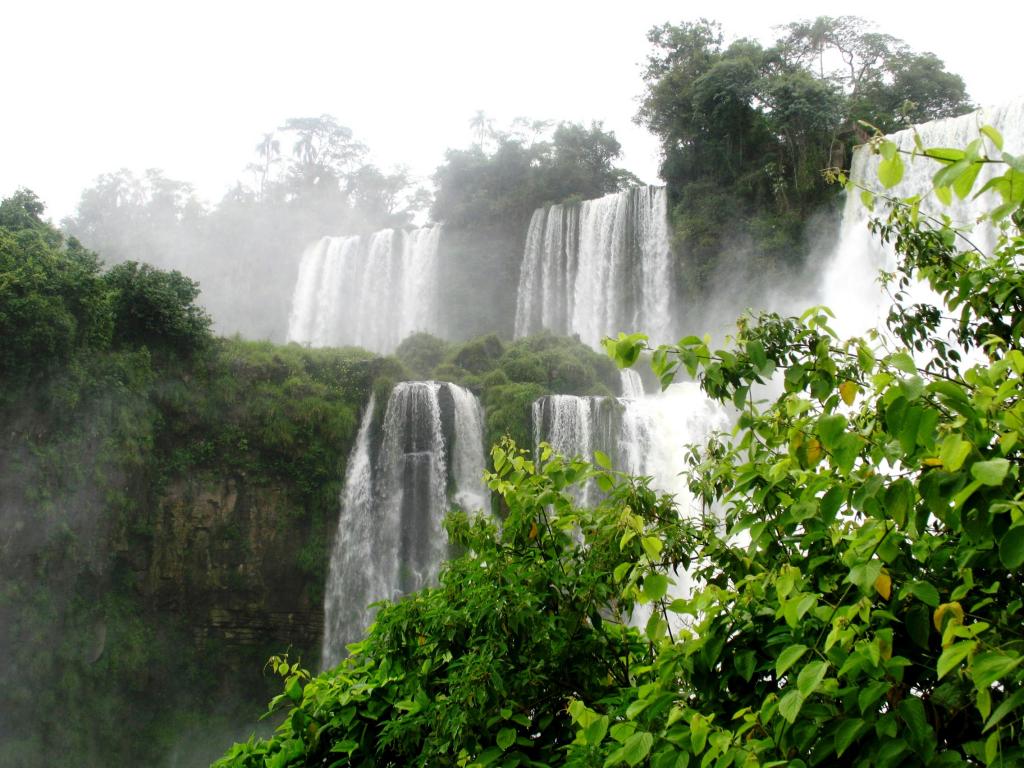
{"type": "Point", "coordinates": [849, 285]}
{"type": "Point", "coordinates": [468, 452]}
{"type": "Point", "coordinates": [390, 539]}
{"type": "Point", "coordinates": [352, 565]}
{"type": "Point", "coordinates": [641, 434]}
{"type": "Point", "coordinates": [577, 426]}
{"type": "Point", "coordinates": [632, 385]}
{"type": "Point", "coordinates": [370, 292]}
{"type": "Point", "coordinates": [598, 267]}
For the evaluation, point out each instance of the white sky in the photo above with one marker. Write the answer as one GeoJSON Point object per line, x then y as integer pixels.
{"type": "Point", "coordinates": [189, 87]}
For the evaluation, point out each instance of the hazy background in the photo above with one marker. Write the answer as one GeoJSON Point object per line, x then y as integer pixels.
{"type": "Point", "coordinates": [190, 87]}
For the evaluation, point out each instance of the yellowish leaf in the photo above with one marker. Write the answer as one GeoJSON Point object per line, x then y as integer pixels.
{"type": "Point", "coordinates": [932, 461]}
{"type": "Point", "coordinates": [813, 448]}
{"type": "Point", "coordinates": [848, 391]}
{"type": "Point", "coordinates": [883, 585]}
{"type": "Point", "coordinates": [533, 530]}
{"type": "Point", "coordinates": [954, 611]}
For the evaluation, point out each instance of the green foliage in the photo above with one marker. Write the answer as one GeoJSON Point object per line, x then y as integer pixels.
{"type": "Point", "coordinates": [746, 130]}
{"type": "Point", "coordinates": [156, 309]}
{"type": "Point", "coordinates": [52, 300]}
{"type": "Point", "coordinates": [858, 591]}
{"type": "Point", "coordinates": [509, 378]}
{"type": "Point", "coordinates": [865, 598]}
{"type": "Point", "coordinates": [421, 353]}
{"type": "Point", "coordinates": [474, 671]}
{"type": "Point", "coordinates": [116, 406]}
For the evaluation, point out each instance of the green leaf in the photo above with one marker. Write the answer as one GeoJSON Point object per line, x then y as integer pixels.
{"type": "Point", "coordinates": [745, 664]}
{"type": "Point", "coordinates": [294, 688]}
{"type": "Point", "coordinates": [790, 704]}
{"type": "Point", "coordinates": [845, 453]}
{"type": "Point", "coordinates": [596, 731]}
{"type": "Point", "coordinates": [944, 154]}
{"type": "Point", "coordinates": [488, 756]}
{"type": "Point", "coordinates": [622, 731]}
{"type": "Point", "coordinates": [921, 736]}
{"type": "Point", "coordinates": [506, 738]}
{"type": "Point", "coordinates": [991, 666]}
{"type": "Point", "coordinates": [945, 195]}
{"type": "Point", "coordinates": [655, 586]}
{"type": "Point", "coordinates": [990, 472]}
{"type": "Point", "coordinates": [847, 733]}
{"type": "Point", "coordinates": [637, 747]}
{"type": "Point", "coordinates": [789, 656]}
{"type": "Point", "coordinates": [602, 460]}
{"type": "Point", "coordinates": [348, 746]}
{"type": "Point", "coordinates": [699, 729]}
{"type": "Point", "coordinates": [830, 428]}
{"type": "Point", "coordinates": [652, 547]}
{"type": "Point", "coordinates": [946, 176]}
{"type": "Point", "coordinates": [924, 592]}
{"type": "Point", "coordinates": [953, 655]}
{"type": "Point", "coordinates": [870, 694]}
{"type": "Point", "coordinates": [954, 452]}
{"type": "Point", "coordinates": [1011, 547]}
{"type": "Point", "coordinates": [1011, 703]}
{"type": "Point", "coordinates": [962, 186]}
{"type": "Point", "coordinates": [810, 677]}
{"type": "Point", "coordinates": [864, 575]}
{"type": "Point", "coordinates": [890, 172]}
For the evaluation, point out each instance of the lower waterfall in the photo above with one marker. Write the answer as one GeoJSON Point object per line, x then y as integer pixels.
{"type": "Point", "coordinates": [642, 434]}
{"type": "Point", "coordinates": [390, 539]}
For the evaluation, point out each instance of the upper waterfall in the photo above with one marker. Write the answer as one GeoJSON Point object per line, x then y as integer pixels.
{"type": "Point", "coordinates": [598, 267]}
{"type": "Point", "coordinates": [849, 284]}
{"type": "Point", "coordinates": [390, 539]}
{"type": "Point", "coordinates": [369, 292]}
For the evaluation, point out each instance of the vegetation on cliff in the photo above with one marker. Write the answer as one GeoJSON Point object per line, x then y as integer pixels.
{"type": "Point", "coordinates": [119, 408]}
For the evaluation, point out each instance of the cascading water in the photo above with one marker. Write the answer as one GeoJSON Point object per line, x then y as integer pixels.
{"type": "Point", "coordinates": [370, 292]}
{"type": "Point", "coordinates": [598, 267]}
{"type": "Point", "coordinates": [849, 286]}
{"type": "Point", "coordinates": [642, 434]}
{"type": "Point", "coordinates": [390, 539]}
{"type": "Point", "coordinates": [353, 568]}
{"type": "Point", "coordinates": [577, 426]}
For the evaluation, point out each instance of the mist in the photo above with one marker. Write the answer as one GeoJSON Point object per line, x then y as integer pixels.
{"type": "Point", "coordinates": [173, 472]}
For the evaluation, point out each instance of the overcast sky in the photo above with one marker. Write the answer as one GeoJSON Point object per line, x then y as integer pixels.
{"type": "Point", "coordinates": [189, 87]}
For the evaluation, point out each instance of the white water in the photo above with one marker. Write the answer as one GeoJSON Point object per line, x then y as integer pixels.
{"type": "Point", "coordinates": [468, 452]}
{"type": "Point", "coordinates": [352, 564]}
{"type": "Point", "coordinates": [632, 385]}
{"type": "Point", "coordinates": [390, 538]}
{"type": "Point", "coordinates": [850, 283]}
{"type": "Point", "coordinates": [368, 292]}
{"type": "Point", "coordinates": [642, 434]}
{"type": "Point", "coordinates": [598, 267]}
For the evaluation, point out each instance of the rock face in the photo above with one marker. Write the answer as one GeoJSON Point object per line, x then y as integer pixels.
{"type": "Point", "coordinates": [226, 557]}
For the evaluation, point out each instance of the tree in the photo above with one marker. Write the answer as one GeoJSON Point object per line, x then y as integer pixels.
{"type": "Point", "coordinates": [156, 309]}
{"type": "Point", "coordinates": [746, 131]}
{"type": "Point", "coordinates": [323, 151]}
{"type": "Point", "coordinates": [859, 597]}
{"type": "Point", "coordinates": [52, 300]}
{"type": "Point", "coordinates": [269, 153]}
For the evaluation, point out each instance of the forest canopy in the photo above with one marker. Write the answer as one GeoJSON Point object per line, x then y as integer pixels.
{"type": "Point", "coordinates": [746, 130]}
